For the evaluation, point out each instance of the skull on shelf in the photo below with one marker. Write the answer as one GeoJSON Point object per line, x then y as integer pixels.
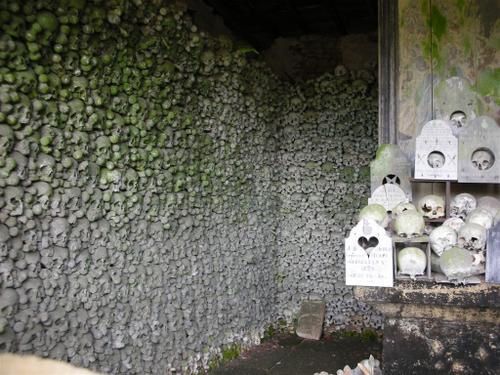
{"type": "Point", "coordinates": [432, 206]}
{"type": "Point", "coordinates": [462, 204]}
{"type": "Point", "coordinates": [375, 212]}
{"type": "Point", "coordinates": [412, 261]}
{"type": "Point", "coordinates": [472, 237]}
{"type": "Point", "coordinates": [454, 223]}
{"type": "Point", "coordinates": [480, 216]}
{"type": "Point", "coordinates": [409, 224]}
{"type": "Point", "coordinates": [490, 204]}
{"type": "Point", "coordinates": [442, 238]}
{"type": "Point", "coordinates": [402, 207]}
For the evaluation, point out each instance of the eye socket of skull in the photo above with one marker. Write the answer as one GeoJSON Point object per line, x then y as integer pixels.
{"type": "Point", "coordinates": [482, 158]}
{"type": "Point", "coordinates": [436, 159]}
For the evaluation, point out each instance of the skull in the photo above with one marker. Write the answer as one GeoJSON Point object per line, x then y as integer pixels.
{"type": "Point", "coordinates": [436, 159]}
{"type": "Point", "coordinates": [454, 223]}
{"type": "Point", "coordinates": [409, 224]}
{"type": "Point", "coordinates": [81, 143]}
{"type": "Point", "coordinates": [472, 237]}
{"type": "Point", "coordinates": [72, 199]}
{"type": "Point", "coordinates": [482, 159]}
{"type": "Point", "coordinates": [8, 302]}
{"type": "Point", "coordinates": [79, 86]}
{"type": "Point", "coordinates": [21, 165]}
{"type": "Point", "coordinates": [94, 210]}
{"type": "Point", "coordinates": [402, 207]}
{"type": "Point", "coordinates": [208, 60]}
{"type": "Point", "coordinates": [340, 70]}
{"type": "Point", "coordinates": [14, 204]}
{"type": "Point", "coordinates": [432, 206]}
{"type": "Point", "coordinates": [156, 231]}
{"type": "Point", "coordinates": [491, 204]}
{"type": "Point", "coordinates": [412, 261]}
{"type": "Point", "coordinates": [43, 192]}
{"type": "Point", "coordinates": [131, 180]}
{"type": "Point", "coordinates": [462, 204]}
{"type": "Point", "coordinates": [76, 113]}
{"type": "Point", "coordinates": [6, 140]}
{"type": "Point", "coordinates": [118, 205]}
{"type": "Point", "coordinates": [45, 167]}
{"type": "Point", "coordinates": [59, 229]}
{"type": "Point", "coordinates": [4, 239]}
{"type": "Point", "coordinates": [458, 264]}
{"type": "Point", "coordinates": [375, 212]}
{"type": "Point", "coordinates": [480, 216]}
{"type": "Point", "coordinates": [103, 149]}
{"type": "Point", "coordinates": [458, 118]}
{"type": "Point", "coordinates": [441, 238]}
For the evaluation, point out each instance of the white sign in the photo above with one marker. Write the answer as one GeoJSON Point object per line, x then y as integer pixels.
{"type": "Point", "coordinates": [436, 155]}
{"type": "Point", "coordinates": [388, 195]}
{"type": "Point", "coordinates": [368, 256]}
{"type": "Point", "coordinates": [479, 150]}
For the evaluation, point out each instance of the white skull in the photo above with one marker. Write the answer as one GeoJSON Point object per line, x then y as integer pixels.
{"type": "Point", "coordinates": [491, 204]}
{"type": "Point", "coordinates": [402, 207]}
{"type": "Point", "coordinates": [409, 224]}
{"type": "Point", "coordinates": [458, 264]}
{"type": "Point", "coordinates": [45, 167]}
{"type": "Point", "coordinates": [412, 261]}
{"type": "Point", "coordinates": [472, 237]}
{"type": "Point", "coordinates": [375, 212]}
{"type": "Point", "coordinates": [6, 140]}
{"type": "Point", "coordinates": [454, 223]}
{"type": "Point", "coordinates": [432, 206]}
{"type": "Point", "coordinates": [442, 238]}
{"type": "Point", "coordinates": [59, 230]}
{"type": "Point", "coordinates": [14, 204]}
{"type": "Point", "coordinates": [436, 159]}
{"type": "Point", "coordinates": [458, 118]}
{"type": "Point", "coordinates": [482, 159]}
{"type": "Point", "coordinates": [480, 216]}
{"type": "Point", "coordinates": [462, 204]}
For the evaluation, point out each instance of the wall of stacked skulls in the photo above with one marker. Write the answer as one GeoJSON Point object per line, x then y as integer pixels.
{"type": "Point", "coordinates": [327, 134]}
{"type": "Point", "coordinates": [148, 175]}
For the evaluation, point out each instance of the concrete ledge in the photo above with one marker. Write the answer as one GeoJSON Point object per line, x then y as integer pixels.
{"type": "Point", "coordinates": [422, 293]}
{"type": "Point", "coordinates": [438, 329]}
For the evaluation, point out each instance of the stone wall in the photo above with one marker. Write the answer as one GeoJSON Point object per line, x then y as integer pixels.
{"type": "Point", "coordinates": [327, 135]}
{"type": "Point", "coordinates": [149, 175]}
{"type": "Point", "coordinates": [136, 209]}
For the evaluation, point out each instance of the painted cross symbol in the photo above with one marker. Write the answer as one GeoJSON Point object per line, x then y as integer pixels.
{"type": "Point", "coordinates": [391, 179]}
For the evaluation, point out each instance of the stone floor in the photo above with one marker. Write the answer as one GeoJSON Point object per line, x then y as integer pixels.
{"type": "Point", "coordinates": [291, 355]}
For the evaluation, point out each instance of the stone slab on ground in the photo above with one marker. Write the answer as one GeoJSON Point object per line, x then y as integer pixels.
{"type": "Point", "coordinates": [311, 317]}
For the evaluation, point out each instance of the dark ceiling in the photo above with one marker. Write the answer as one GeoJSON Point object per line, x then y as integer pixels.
{"type": "Point", "coordinates": [261, 21]}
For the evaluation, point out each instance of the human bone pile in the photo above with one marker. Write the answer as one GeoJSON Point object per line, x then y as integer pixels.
{"type": "Point", "coordinates": [163, 194]}
{"type": "Point", "coordinates": [458, 245]}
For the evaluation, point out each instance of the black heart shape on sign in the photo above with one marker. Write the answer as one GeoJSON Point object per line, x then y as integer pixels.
{"type": "Point", "coordinates": [366, 243]}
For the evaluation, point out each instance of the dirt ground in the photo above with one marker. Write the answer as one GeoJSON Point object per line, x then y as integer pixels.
{"type": "Point", "coordinates": [287, 354]}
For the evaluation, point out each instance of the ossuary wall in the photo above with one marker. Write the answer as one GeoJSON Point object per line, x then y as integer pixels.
{"type": "Point", "coordinates": [327, 134]}
{"type": "Point", "coordinates": [137, 220]}
{"type": "Point", "coordinates": [152, 177]}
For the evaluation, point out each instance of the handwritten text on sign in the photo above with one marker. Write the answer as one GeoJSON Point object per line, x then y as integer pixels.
{"type": "Point", "coordinates": [368, 256]}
